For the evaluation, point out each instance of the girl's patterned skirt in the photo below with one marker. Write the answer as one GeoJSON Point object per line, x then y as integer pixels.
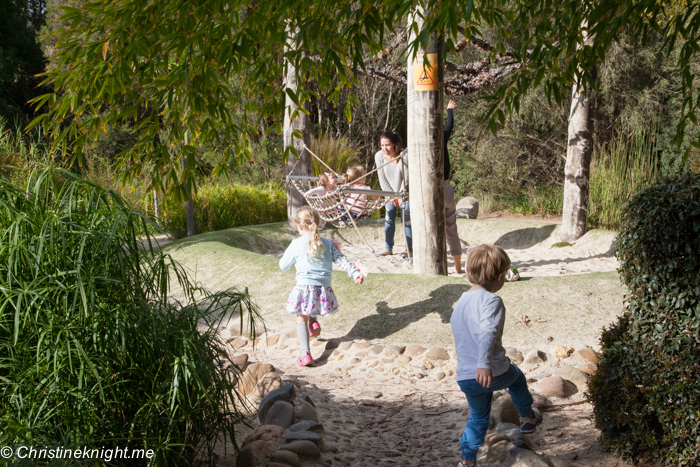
{"type": "Point", "coordinates": [312, 300]}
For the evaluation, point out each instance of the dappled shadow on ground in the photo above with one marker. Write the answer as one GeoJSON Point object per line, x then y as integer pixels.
{"type": "Point", "coordinates": [523, 239]}
{"type": "Point", "coordinates": [388, 321]}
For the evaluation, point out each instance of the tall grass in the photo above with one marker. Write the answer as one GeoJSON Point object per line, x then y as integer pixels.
{"type": "Point", "coordinates": [228, 206]}
{"type": "Point", "coordinates": [338, 153]}
{"type": "Point", "coordinates": [624, 166]}
{"type": "Point", "coordinates": [94, 349]}
{"type": "Point", "coordinates": [538, 201]}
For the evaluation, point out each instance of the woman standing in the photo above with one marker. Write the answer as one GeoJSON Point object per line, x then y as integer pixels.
{"type": "Point", "coordinates": [393, 177]}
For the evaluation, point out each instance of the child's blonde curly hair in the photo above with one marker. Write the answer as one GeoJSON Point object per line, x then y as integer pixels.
{"type": "Point", "coordinates": [309, 220]}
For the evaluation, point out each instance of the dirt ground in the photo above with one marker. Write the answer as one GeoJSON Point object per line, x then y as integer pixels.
{"type": "Point", "coordinates": [566, 294]}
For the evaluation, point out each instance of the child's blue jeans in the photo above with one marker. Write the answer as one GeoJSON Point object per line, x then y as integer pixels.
{"type": "Point", "coordinates": [479, 399]}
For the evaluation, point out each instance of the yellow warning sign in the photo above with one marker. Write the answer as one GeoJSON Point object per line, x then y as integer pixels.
{"type": "Point", "coordinates": [424, 77]}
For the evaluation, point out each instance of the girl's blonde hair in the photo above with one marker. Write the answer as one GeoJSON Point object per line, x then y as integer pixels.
{"type": "Point", "coordinates": [309, 220]}
{"type": "Point", "coordinates": [485, 263]}
{"type": "Point", "coordinates": [354, 174]}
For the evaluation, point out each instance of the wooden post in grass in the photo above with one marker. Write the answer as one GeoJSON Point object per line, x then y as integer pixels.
{"type": "Point", "coordinates": [295, 122]}
{"type": "Point", "coordinates": [425, 134]}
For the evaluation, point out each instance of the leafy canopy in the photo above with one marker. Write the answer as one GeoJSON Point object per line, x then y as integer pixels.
{"type": "Point", "coordinates": [189, 74]}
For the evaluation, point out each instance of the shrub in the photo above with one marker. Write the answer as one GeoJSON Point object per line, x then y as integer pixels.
{"type": "Point", "coordinates": [646, 392]}
{"type": "Point", "coordinates": [105, 342]}
{"type": "Point", "coordinates": [225, 207]}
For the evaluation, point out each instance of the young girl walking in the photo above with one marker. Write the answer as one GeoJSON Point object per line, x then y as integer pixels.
{"type": "Point", "coordinates": [313, 257]}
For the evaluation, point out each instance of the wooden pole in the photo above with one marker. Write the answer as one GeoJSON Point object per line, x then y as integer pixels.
{"type": "Point", "coordinates": [293, 122]}
{"type": "Point", "coordinates": [425, 147]}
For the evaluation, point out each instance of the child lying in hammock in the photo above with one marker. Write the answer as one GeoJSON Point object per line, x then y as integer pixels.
{"type": "Point", "coordinates": [355, 202]}
{"type": "Point", "coordinates": [327, 183]}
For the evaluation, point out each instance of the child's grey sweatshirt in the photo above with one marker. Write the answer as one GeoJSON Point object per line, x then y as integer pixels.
{"type": "Point", "coordinates": [477, 325]}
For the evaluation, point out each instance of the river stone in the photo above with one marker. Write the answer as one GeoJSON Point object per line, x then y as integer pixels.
{"type": "Point", "coordinates": [376, 350]}
{"type": "Point", "coordinates": [305, 411]}
{"type": "Point", "coordinates": [514, 355]}
{"type": "Point", "coordinates": [554, 386]}
{"type": "Point", "coordinates": [264, 433]}
{"type": "Point", "coordinates": [281, 414]}
{"type": "Point", "coordinates": [588, 368]}
{"type": "Point", "coordinates": [362, 345]}
{"type": "Point", "coordinates": [287, 458]}
{"type": "Point", "coordinates": [307, 425]}
{"type": "Point", "coordinates": [505, 411]}
{"type": "Point", "coordinates": [265, 386]}
{"type": "Point", "coordinates": [494, 454]}
{"type": "Point", "coordinates": [588, 355]}
{"type": "Point", "coordinates": [387, 361]}
{"type": "Point", "coordinates": [394, 350]}
{"type": "Point", "coordinates": [308, 399]}
{"type": "Point", "coordinates": [330, 447]}
{"type": "Point", "coordinates": [468, 208]}
{"type": "Point", "coordinates": [563, 352]}
{"type": "Point", "coordinates": [304, 435]}
{"type": "Point", "coordinates": [512, 431]}
{"type": "Point", "coordinates": [285, 393]}
{"type": "Point", "coordinates": [529, 458]}
{"type": "Point", "coordinates": [403, 359]}
{"type": "Point", "coordinates": [238, 342]}
{"type": "Point", "coordinates": [272, 340]}
{"type": "Point", "coordinates": [437, 353]}
{"type": "Point", "coordinates": [251, 376]}
{"type": "Point", "coordinates": [439, 375]}
{"type": "Point", "coordinates": [414, 351]}
{"type": "Point", "coordinates": [240, 361]}
{"type": "Point", "coordinates": [534, 357]}
{"type": "Point", "coordinates": [345, 346]}
{"type": "Point", "coordinates": [539, 401]}
{"type": "Point", "coordinates": [576, 376]}
{"type": "Point", "coordinates": [253, 455]}
{"type": "Point", "coordinates": [302, 448]}
{"type": "Point", "coordinates": [493, 438]}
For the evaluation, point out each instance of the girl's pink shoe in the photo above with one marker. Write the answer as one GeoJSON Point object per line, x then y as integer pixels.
{"type": "Point", "coordinates": [306, 360]}
{"type": "Point", "coordinates": [314, 329]}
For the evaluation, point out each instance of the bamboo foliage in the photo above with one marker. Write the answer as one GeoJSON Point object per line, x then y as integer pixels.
{"type": "Point", "coordinates": [104, 340]}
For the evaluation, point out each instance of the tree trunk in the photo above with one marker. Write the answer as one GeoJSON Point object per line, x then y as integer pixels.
{"type": "Point", "coordinates": [425, 146]}
{"type": "Point", "coordinates": [189, 206]}
{"type": "Point", "coordinates": [293, 122]}
{"type": "Point", "coordinates": [578, 160]}
{"type": "Point", "coordinates": [156, 206]}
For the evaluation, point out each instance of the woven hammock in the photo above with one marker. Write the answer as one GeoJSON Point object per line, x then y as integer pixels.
{"type": "Point", "coordinates": [338, 207]}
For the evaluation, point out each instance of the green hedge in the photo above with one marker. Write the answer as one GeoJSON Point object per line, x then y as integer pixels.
{"type": "Point", "coordinates": [225, 207]}
{"type": "Point", "coordinates": [647, 389]}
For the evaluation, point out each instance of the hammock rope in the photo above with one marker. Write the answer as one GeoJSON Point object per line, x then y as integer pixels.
{"type": "Point", "coordinates": [340, 207]}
